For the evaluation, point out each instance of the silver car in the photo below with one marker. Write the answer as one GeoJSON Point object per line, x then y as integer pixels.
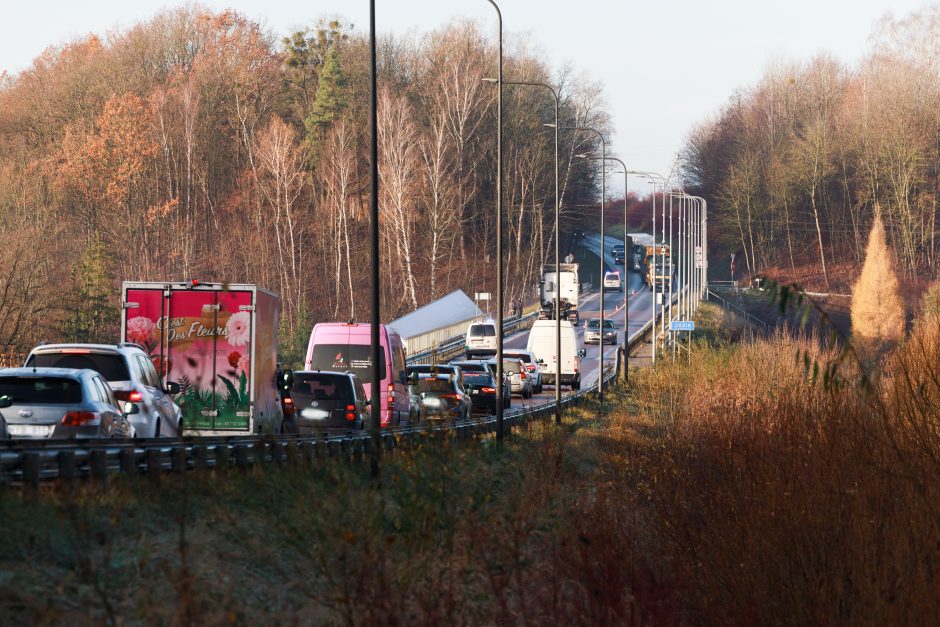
{"type": "Point", "coordinates": [592, 333]}
{"type": "Point", "coordinates": [46, 403]}
{"type": "Point", "coordinates": [518, 375]}
{"type": "Point", "coordinates": [531, 364]}
{"type": "Point", "coordinates": [130, 374]}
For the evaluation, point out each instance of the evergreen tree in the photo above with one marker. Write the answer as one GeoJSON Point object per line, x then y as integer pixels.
{"type": "Point", "coordinates": [877, 309]}
{"type": "Point", "coordinates": [330, 101]}
{"type": "Point", "coordinates": [93, 316]}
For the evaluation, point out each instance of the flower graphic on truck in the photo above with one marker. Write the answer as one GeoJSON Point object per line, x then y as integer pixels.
{"type": "Point", "coordinates": [140, 331]}
{"type": "Point", "coordinates": [238, 328]}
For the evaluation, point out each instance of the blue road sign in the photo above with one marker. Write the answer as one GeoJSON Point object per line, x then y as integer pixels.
{"type": "Point", "coordinates": [682, 325]}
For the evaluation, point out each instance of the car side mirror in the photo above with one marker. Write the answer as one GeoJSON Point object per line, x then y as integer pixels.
{"type": "Point", "coordinates": [368, 402]}
{"type": "Point", "coordinates": [582, 352]}
{"type": "Point", "coordinates": [131, 408]}
{"type": "Point", "coordinates": [172, 388]}
{"type": "Point", "coordinates": [5, 401]}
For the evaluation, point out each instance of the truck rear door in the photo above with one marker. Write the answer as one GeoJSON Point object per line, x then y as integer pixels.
{"type": "Point", "coordinates": [202, 340]}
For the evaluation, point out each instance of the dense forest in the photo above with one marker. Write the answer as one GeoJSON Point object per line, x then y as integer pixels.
{"type": "Point", "coordinates": [199, 145]}
{"type": "Point", "coordinates": [794, 167]}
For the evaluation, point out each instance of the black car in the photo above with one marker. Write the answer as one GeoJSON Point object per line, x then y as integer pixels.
{"type": "Point", "coordinates": [328, 402]}
{"type": "Point", "coordinates": [443, 398]}
{"type": "Point", "coordinates": [619, 254]}
{"type": "Point", "coordinates": [429, 369]}
{"type": "Point", "coordinates": [481, 387]}
{"type": "Point", "coordinates": [479, 365]}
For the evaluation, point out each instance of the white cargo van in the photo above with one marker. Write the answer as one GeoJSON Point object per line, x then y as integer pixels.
{"type": "Point", "coordinates": [481, 339]}
{"type": "Point", "coordinates": [542, 343]}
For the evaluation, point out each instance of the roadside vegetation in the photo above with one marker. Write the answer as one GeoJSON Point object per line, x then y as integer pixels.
{"type": "Point", "coordinates": [733, 489]}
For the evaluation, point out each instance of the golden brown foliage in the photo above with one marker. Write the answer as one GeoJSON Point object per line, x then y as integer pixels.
{"type": "Point", "coordinates": [877, 311]}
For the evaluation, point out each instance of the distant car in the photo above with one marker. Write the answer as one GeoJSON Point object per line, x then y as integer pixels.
{"type": "Point", "coordinates": [329, 402]}
{"type": "Point", "coordinates": [592, 333]}
{"type": "Point", "coordinates": [481, 339]}
{"type": "Point", "coordinates": [481, 387]}
{"type": "Point", "coordinates": [489, 367]}
{"type": "Point", "coordinates": [619, 254]}
{"type": "Point", "coordinates": [130, 374]}
{"type": "Point", "coordinates": [4, 433]}
{"type": "Point", "coordinates": [531, 364]}
{"type": "Point", "coordinates": [518, 375]}
{"type": "Point", "coordinates": [418, 412]}
{"type": "Point", "coordinates": [60, 403]}
{"type": "Point", "coordinates": [443, 398]}
{"type": "Point", "coordinates": [612, 281]}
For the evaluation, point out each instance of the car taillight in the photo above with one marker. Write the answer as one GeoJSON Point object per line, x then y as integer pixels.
{"type": "Point", "coordinates": [350, 412]}
{"type": "Point", "coordinates": [288, 404]}
{"type": "Point", "coordinates": [129, 395]}
{"type": "Point", "coordinates": [488, 390]}
{"type": "Point", "coordinates": [135, 397]}
{"type": "Point", "coordinates": [530, 367]}
{"type": "Point", "coordinates": [78, 418]}
{"type": "Point", "coordinates": [451, 397]}
{"type": "Point", "coordinates": [522, 374]}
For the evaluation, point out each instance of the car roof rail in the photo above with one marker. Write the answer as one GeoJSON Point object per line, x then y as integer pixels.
{"type": "Point", "coordinates": [131, 345]}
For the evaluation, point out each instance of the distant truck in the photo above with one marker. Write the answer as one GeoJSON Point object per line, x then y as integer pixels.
{"type": "Point", "coordinates": [636, 248]}
{"type": "Point", "coordinates": [565, 280]}
{"type": "Point", "coordinates": [658, 272]}
{"type": "Point", "coordinates": [219, 343]}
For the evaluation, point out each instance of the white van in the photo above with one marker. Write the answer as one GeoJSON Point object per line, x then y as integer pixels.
{"type": "Point", "coordinates": [542, 342]}
{"type": "Point", "coordinates": [481, 339]}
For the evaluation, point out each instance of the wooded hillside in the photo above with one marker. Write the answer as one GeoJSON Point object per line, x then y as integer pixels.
{"type": "Point", "coordinates": [794, 166]}
{"type": "Point", "coordinates": [199, 145]}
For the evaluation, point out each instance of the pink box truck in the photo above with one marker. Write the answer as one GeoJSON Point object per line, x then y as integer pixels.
{"type": "Point", "coordinates": [347, 347]}
{"type": "Point", "coordinates": [219, 343]}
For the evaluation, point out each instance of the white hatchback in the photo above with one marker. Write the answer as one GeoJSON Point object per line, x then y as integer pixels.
{"type": "Point", "coordinates": [612, 282]}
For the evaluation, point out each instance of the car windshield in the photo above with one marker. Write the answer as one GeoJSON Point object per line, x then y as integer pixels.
{"type": "Point", "coordinates": [111, 366]}
{"type": "Point", "coordinates": [435, 386]}
{"type": "Point", "coordinates": [593, 324]}
{"type": "Point", "coordinates": [469, 367]}
{"type": "Point", "coordinates": [355, 358]}
{"type": "Point", "coordinates": [613, 277]}
{"type": "Point", "coordinates": [512, 366]}
{"type": "Point", "coordinates": [524, 357]}
{"type": "Point", "coordinates": [41, 390]}
{"type": "Point", "coordinates": [482, 330]}
{"type": "Point", "coordinates": [319, 386]}
{"type": "Point", "coordinates": [478, 379]}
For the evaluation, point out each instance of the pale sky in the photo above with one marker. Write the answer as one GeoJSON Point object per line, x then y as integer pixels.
{"type": "Point", "coordinates": [665, 65]}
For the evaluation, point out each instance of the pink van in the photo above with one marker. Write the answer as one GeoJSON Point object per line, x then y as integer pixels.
{"type": "Point", "coordinates": [347, 347]}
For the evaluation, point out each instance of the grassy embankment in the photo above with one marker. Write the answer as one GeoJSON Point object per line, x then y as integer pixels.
{"type": "Point", "coordinates": [731, 490]}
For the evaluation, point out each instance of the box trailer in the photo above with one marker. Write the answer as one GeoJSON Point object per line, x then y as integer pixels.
{"type": "Point", "coordinates": [566, 281]}
{"type": "Point", "coordinates": [219, 343]}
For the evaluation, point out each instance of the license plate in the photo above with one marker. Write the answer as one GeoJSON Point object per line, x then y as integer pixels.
{"type": "Point", "coordinates": [475, 392]}
{"type": "Point", "coordinates": [30, 431]}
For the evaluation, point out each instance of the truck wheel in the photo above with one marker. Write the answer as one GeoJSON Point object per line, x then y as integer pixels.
{"type": "Point", "coordinates": [576, 385]}
{"type": "Point", "coordinates": [156, 429]}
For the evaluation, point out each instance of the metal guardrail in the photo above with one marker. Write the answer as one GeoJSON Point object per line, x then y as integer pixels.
{"type": "Point", "coordinates": [29, 462]}
{"type": "Point", "coordinates": [451, 348]}
{"type": "Point", "coordinates": [747, 316]}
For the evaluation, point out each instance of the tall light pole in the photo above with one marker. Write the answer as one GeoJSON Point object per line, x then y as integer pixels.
{"type": "Point", "coordinates": [557, 249]}
{"type": "Point", "coordinates": [376, 407]}
{"type": "Point", "coordinates": [600, 374]}
{"type": "Point", "coordinates": [499, 232]}
{"type": "Point", "coordinates": [626, 295]}
{"type": "Point", "coordinates": [653, 177]}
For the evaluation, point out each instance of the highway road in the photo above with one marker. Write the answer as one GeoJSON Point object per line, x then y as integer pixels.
{"type": "Point", "coordinates": [640, 312]}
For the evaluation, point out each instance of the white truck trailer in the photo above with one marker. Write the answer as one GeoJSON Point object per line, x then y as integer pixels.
{"type": "Point", "coordinates": [565, 280]}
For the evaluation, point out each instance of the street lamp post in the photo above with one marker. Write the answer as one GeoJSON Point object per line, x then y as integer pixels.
{"type": "Point", "coordinates": [499, 232]}
{"type": "Point", "coordinates": [600, 344]}
{"type": "Point", "coordinates": [376, 407]}
{"type": "Point", "coordinates": [557, 249]}
{"type": "Point", "coordinates": [653, 177]}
